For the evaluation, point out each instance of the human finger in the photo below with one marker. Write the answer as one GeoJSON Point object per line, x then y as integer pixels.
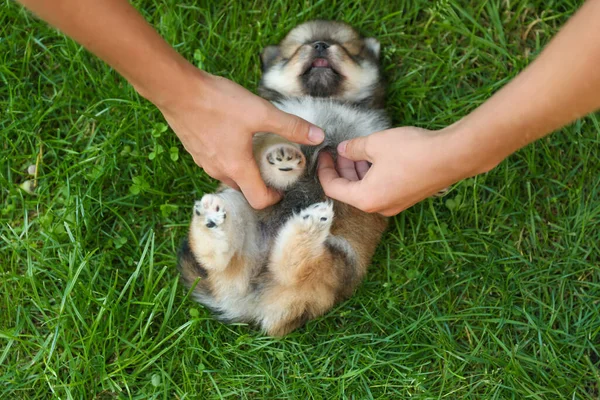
{"type": "Point", "coordinates": [293, 128]}
{"type": "Point", "coordinates": [336, 186]}
{"type": "Point", "coordinates": [355, 149]}
{"type": "Point", "coordinates": [346, 168]}
{"type": "Point", "coordinates": [254, 189]}
{"type": "Point", "coordinates": [362, 167]}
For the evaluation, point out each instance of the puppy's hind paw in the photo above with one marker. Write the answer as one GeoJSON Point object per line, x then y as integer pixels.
{"type": "Point", "coordinates": [211, 208]}
{"type": "Point", "coordinates": [318, 215]}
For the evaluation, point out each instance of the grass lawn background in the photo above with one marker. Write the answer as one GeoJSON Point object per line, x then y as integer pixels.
{"type": "Point", "coordinates": [490, 292]}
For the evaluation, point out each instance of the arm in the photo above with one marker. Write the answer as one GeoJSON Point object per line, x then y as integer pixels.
{"type": "Point", "coordinates": [411, 164]}
{"type": "Point", "coordinates": [213, 117]}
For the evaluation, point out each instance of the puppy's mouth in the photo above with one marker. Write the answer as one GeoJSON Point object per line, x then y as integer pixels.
{"type": "Point", "coordinates": [320, 77]}
{"type": "Point", "coordinates": [319, 65]}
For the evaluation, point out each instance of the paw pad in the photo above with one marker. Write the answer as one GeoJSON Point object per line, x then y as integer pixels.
{"type": "Point", "coordinates": [211, 209]}
{"type": "Point", "coordinates": [320, 213]}
{"type": "Point", "coordinates": [285, 157]}
{"type": "Point", "coordinates": [282, 164]}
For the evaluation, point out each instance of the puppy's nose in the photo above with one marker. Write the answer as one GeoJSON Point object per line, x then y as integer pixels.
{"type": "Point", "coordinates": [320, 46]}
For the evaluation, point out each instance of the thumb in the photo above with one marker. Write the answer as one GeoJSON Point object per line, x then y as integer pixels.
{"type": "Point", "coordinates": [355, 149]}
{"type": "Point", "coordinates": [293, 128]}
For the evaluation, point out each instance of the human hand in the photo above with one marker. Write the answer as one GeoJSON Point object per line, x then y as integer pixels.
{"type": "Point", "coordinates": [409, 164]}
{"type": "Point", "coordinates": [215, 119]}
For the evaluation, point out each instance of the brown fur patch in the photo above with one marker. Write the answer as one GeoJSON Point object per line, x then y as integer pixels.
{"type": "Point", "coordinates": [361, 229]}
{"type": "Point", "coordinates": [310, 294]}
{"type": "Point", "coordinates": [314, 277]}
{"type": "Point", "coordinates": [234, 277]}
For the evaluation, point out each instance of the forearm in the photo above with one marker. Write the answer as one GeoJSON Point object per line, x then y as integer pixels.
{"type": "Point", "coordinates": [561, 85]}
{"type": "Point", "coordinates": [114, 31]}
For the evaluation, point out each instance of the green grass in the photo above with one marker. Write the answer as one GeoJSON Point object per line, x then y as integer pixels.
{"type": "Point", "coordinates": [491, 292]}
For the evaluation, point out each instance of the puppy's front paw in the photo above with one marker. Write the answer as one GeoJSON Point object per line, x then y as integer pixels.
{"type": "Point", "coordinates": [211, 209]}
{"type": "Point", "coordinates": [282, 164]}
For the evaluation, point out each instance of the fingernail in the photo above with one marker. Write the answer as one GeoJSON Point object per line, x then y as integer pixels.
{"type": "Point", "coordinates": [315, 135]}
{"type": "Point", "coordinates": [342, 147]}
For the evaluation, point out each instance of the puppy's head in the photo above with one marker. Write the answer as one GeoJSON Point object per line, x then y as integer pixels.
{"type": "Point", "coordinates": [323, 59]}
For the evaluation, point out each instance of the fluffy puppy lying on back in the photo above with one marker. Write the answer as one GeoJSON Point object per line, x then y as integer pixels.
{"type": "Point", "coordinates": [294, 261]}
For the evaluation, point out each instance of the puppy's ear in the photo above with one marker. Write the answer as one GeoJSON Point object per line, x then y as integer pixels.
{"type": "Point", "coordinates": [373, 46]}
{"type": "Point", "coordinates": [268, 55]}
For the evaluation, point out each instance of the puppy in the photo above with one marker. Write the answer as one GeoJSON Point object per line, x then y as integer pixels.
{"type": "Point", "coordinates": [292, 262]}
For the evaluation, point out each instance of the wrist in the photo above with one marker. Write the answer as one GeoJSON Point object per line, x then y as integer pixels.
{"type": "Point", "coordinates": [172, 80]}
{"type": "Point", "coordinates": [470, 153]}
